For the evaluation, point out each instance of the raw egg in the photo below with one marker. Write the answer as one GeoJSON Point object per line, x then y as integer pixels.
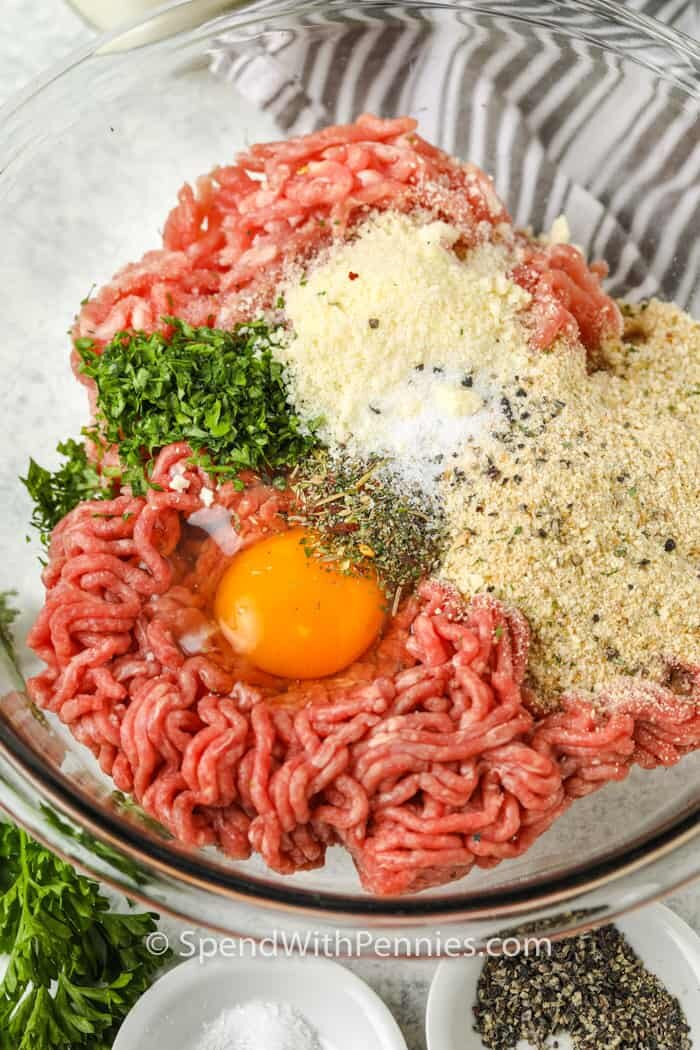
{"type": "Point", "coordinates": [294, 615]}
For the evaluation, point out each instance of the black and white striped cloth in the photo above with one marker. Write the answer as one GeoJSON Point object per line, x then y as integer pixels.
{"type": "Point", "coordinates": [567, 116]}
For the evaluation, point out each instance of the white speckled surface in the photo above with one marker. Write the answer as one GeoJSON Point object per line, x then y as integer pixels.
{"type": "Point", "coordinates": [34, 35]}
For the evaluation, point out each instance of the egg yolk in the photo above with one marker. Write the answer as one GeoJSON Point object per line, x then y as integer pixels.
{"type": "Point", "coordinates": [294, 615]}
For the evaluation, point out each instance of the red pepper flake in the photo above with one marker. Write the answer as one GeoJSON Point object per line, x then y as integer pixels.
{"type": "Point", "coordinates": [353, 276]}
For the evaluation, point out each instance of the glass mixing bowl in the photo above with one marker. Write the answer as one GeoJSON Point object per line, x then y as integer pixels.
{"type": "Point", "coordinates": [585, 108]}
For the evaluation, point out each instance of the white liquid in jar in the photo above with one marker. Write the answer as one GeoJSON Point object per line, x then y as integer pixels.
{"type": "Point", "coordinates": [110, 14]}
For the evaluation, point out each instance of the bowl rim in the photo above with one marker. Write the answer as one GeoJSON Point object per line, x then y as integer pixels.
{"type": "Point", "coordinates": [124, 836]}
{"type": "Point", "coordinates": [195, 870]}
{"type": "Point", "coordinates": [255, 11]}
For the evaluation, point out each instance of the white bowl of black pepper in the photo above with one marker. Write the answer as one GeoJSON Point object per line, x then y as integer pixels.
{"type": "Point", "coordinates": [635, 984]}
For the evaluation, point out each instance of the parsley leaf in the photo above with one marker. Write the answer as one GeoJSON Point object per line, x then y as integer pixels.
{"type": "Point", "coordinates": [56, 493]}
{"type": "Point", "coordinates": [8, 615]}
{"type": "Point", "coordinates": [75, 968]}
{"type": "Point", "coordinates": [223, 392]}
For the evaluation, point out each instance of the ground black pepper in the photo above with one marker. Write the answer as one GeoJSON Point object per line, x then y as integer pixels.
{"type": "Point", "coordinates": [594, 987]}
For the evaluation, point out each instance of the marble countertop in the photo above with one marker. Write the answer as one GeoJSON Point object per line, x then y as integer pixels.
{"type": "Point", "coordinates": [39, 34]}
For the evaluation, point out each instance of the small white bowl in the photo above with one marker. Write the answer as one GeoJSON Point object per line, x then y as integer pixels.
{"type": "Point", "coordinates": [344, 1010]}
{"type": "Point", "coordinates": [666, 945]}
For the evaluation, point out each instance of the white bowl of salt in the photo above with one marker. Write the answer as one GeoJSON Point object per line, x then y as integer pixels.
{"type": "Point", "coordinates": [289, 1003]}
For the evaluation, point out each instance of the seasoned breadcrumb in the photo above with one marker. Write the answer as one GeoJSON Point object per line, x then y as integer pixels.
{"type": "Point", "coordinates": [585, 511]}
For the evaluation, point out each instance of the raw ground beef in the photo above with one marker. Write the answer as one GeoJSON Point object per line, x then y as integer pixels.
{"type": "Point", "coordinates": [423, 759]}
{"type": "Point", "coordinates": [427, 756]}
{"type": "Point", "coordinates": [228, 241]}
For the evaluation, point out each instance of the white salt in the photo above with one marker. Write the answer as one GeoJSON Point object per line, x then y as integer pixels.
{"type": "Point", "coordinates": [429, 418]}
{"type": "Point", "coordinates": [258, 1025]}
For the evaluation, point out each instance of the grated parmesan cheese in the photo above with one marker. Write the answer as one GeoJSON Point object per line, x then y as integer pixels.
{"type": "Point", "coordinates": [179, 483]}
{"type": "Point", "coordinates": [396, 340]}
{"type": "Point", "coordinates": [559, 232]}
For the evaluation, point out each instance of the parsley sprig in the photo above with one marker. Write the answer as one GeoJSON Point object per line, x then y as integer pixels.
{"type": "Point", "coordinates": [56, 492]}
{"type": "Point", "coordinates": [8, 615]}
{"type": "Point", "coordinates": [75, 967]}
{"type": "Point", "coordinates": [221, 391]}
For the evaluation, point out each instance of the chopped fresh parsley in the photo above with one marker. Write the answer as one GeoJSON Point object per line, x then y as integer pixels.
{"type": "Point", "coordinates": [56, 492]}
{"type": "Point", "coordinates": [223, 392]}
{"type": "Point", "coordinates": [75, 967]}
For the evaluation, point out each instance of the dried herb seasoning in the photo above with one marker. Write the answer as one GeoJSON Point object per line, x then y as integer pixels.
{"type": "Point", "coordinates": [364, 515]}
{"type": "Point", "coordinates": [593, 987]}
